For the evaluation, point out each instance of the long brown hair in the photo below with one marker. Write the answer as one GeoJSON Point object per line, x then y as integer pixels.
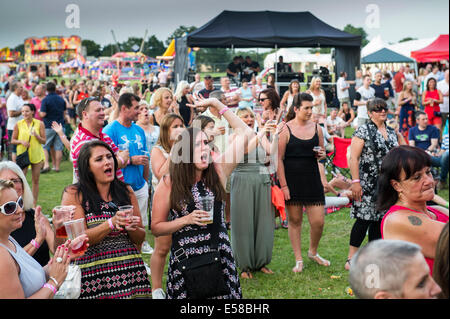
{"type": "Point", "coordinates": [164, 134]}
{"type": "Point", "coordinates": [182, 171]}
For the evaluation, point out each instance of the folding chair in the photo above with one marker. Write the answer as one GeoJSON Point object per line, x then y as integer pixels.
{"type": "Point", "coordinates": [337, 160]}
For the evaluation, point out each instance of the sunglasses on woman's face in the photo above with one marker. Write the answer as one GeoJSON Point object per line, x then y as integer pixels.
{"type": "Point", "coordinates": [10, 208]}
{"type": "Point", "coordinates": [380, 109]}
{"type": "Point", "coordinates": [263, 99]}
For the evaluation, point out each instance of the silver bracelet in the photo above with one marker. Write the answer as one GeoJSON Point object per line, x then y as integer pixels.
{"type": "Point", "coordinates": [54, 280]}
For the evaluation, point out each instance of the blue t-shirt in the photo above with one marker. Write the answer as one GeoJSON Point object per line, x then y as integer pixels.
{"type": "Point", "coordinates": [133, 138]}
{"type": "Point", "coordinates": [54, 106]}
{"type": "Point", "coordinates": [423, 138]}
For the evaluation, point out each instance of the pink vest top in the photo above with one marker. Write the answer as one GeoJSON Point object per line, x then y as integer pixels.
{"type": "Point", "coordinates": [440, 218]}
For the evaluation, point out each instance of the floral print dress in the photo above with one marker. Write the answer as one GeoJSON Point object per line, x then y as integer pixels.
{"type": "Point", "coordinates": [194, 240]}
{"type": "Point", "coordinates": [374, 150]}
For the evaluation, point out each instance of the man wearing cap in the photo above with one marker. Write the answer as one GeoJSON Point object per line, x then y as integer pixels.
{"type": "Point", "coordinates": [209, 87]}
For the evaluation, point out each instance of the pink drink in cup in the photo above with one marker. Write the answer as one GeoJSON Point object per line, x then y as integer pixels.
{"type": "Point", "coordinates": [63, 213]}
{"type": "Point", "coordinates": [75, 230]}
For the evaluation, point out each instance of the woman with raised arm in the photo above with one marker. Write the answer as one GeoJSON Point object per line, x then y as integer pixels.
{"type": "Point", "coordinates": [171, 126]}
{"type": "Point", "coordinates": [178, 207]}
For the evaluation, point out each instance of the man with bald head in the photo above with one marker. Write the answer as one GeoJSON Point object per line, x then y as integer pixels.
{"type": "Point", "coordinates": [39, 95]}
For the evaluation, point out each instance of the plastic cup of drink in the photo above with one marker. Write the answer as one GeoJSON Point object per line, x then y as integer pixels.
{"type": "Point", "coordinates": [207, 203]}
{"type": "Point", "coordinates": [62, 213]}
{"type": "Point", "coordinates": [75, 229]}
{"type": "Point", "coordinates": [317, 149]}
{"type": "Point", "coordinates": [127, 209]}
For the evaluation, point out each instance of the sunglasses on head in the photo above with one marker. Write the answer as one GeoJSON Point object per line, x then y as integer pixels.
{"type": "Point", "coordinates": [10, 208]}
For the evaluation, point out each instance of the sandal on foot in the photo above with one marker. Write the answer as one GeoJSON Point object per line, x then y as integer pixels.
{"type": "Point", "coordinates": [246, 275]}
{"type": "Point", "coordinates": [318, 259]}
{"type": "Point", "coordinates": [266, 270]}
{"type": "Point", "coordinates": [298, 266]}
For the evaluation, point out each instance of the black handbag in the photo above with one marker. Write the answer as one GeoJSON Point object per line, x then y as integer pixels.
{"type": "Point", "coordinates": [203, 275]}
{"type": "Point", "coordinates": [23, 159]}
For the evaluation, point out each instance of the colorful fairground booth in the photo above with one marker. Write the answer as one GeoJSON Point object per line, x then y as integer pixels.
{"type": "Point", "coordinates": [50, 51]}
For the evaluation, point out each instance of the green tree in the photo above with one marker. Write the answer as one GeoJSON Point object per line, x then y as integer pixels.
{"type": "Point", "coordinates": [108, 49]}
{"type": "Point", "coordinates": [153, 47]}
{"type": "Point", "coordinates": [92, 48]}
{"type": "Point", "coordinates": [179, 32]}
{"type": "Point", "coordinates": [357, 31]}
{"type": "Point", "coordinates": [127, 46]}
{"type": "Point", "coordinates": [406, 39]}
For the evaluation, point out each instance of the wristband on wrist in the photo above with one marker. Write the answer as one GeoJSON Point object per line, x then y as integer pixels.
{"type": "Point", "coordinates": [54, 280]}
{"type": "Point", "coordinates": [283, 186]}
{"type": "Point", "coordinates": [120, 159]}
{"type": "Point", "coordinates": [35, 244]}
{"type": "Point", "coordinates": [355, 181]}
{"type": "Point", "coordinates": [223, 110]}
{"type": "Point", "coordinates": [51, 287]}
{"type": "Point", "coordinates": [110, 223]}
{"type": "Point", "coordinates": [129, 161]}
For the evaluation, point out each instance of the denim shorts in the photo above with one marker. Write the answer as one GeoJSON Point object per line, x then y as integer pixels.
{"type": "Point", "coordinates": [52, 139]}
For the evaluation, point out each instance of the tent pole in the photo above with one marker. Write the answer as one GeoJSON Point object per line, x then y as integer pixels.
{"type": "Point", "coordinates": [276, 59]}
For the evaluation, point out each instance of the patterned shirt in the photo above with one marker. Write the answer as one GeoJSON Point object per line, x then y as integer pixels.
{"type": "Point", "coordinates": [82, 136]}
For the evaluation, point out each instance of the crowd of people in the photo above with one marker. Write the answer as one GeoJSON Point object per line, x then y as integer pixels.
{"type": "Point", "coordinates": [199, 164]}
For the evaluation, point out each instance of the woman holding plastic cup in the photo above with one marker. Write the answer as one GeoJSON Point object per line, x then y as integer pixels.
{"type": "Point", "coordinates": [252, 211]}
{"type": "Point", "coordinates": [21, 276]}
{"type": "Point", "coordinates": [113, 236]}
{"type": "Point", "coordinates": [171, 126]}
{"type": "Point", "coordinates": [178, 211]}
{"type": "Point", "coordinates": [36, 235]}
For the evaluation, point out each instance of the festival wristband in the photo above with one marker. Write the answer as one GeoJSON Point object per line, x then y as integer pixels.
{"type": "Point", "coordinates": [110, 223]}
{"type": "Point", "coordinates": [223, 110]}
{"type": "Point", "coordinates": [355, 181]}
{"type": "Point", "coordinates": [120, 159]}
{"type": "Point", "coordinates": [35, 244]}
{"type": "Point", "coordinates": [54, 280]}
{"type": "Point", "coordinates": [51, 287]}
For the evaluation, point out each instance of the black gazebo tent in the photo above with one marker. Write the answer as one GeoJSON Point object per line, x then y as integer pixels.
{"type": "Point", "coordinates": [271, 29]}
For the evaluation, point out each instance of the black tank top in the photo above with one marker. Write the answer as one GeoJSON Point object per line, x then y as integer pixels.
{"type": "Point", "coordinates": [154, 120]}
{"type": "Point", "coordinates": [300, 148]}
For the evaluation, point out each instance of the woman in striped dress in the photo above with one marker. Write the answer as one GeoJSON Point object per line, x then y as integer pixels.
{"type": "Point", "coordinates": [112, 267]}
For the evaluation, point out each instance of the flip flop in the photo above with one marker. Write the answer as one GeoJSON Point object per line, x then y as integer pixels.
{"type": "Point", "coordinates": [298, 266]}
{"type": "Point", "coordinates": [318, 259]}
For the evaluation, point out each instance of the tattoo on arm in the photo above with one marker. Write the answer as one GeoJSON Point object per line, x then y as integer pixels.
{"type": "Point", "coordinates": [416, 221]}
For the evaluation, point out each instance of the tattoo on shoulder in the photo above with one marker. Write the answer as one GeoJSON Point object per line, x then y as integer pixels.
{"type": "Point", "coordinates": [414, 220]}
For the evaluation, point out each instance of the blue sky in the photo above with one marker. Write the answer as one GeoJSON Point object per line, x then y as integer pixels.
{"type": "Point", "coordinates": [398, 19]}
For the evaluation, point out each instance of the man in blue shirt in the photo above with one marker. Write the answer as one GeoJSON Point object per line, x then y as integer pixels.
{"type": "Point", "coordinates": [53, 108]}
{"type": "Point", "coordinates": [127, 135]}
{"type": "Point", "coordinates": [425, 136]}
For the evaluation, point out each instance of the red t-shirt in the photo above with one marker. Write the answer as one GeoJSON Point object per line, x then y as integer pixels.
{"type": "Point", "coordinates": [82, 136]}
{"type": "Point", "coordinates": [398, 81]}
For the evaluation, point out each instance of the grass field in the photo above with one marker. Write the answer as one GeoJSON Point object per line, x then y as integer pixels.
{"type": "Point", "coordinates": [314, 282]}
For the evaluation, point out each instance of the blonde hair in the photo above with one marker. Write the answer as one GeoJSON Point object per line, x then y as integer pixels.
{"type": "Point", "coordinates": [180, 88]}
{"type": "Point", "coordinates": [244, 110]}
{"type": "Point", "coordinates": [27, 195]}
{"type": "Point", "coordinates": [405, 86]}
{"type": "Point", "coordinates": [313, 82]}
{"type": "Point", "coordinates": [157, 99]}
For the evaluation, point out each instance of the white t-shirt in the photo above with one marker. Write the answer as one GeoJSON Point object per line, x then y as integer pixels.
{"type": "Point", "coordinates": [337, 121]}
{"type": "Point", "coordinates": [366, 94]}
{"type": "Point", "coordinates": [341, 84]}
{"type": "Point", "coordinates": [443, 87]}
{"type": "Point", "coordinates": [14, 103]}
